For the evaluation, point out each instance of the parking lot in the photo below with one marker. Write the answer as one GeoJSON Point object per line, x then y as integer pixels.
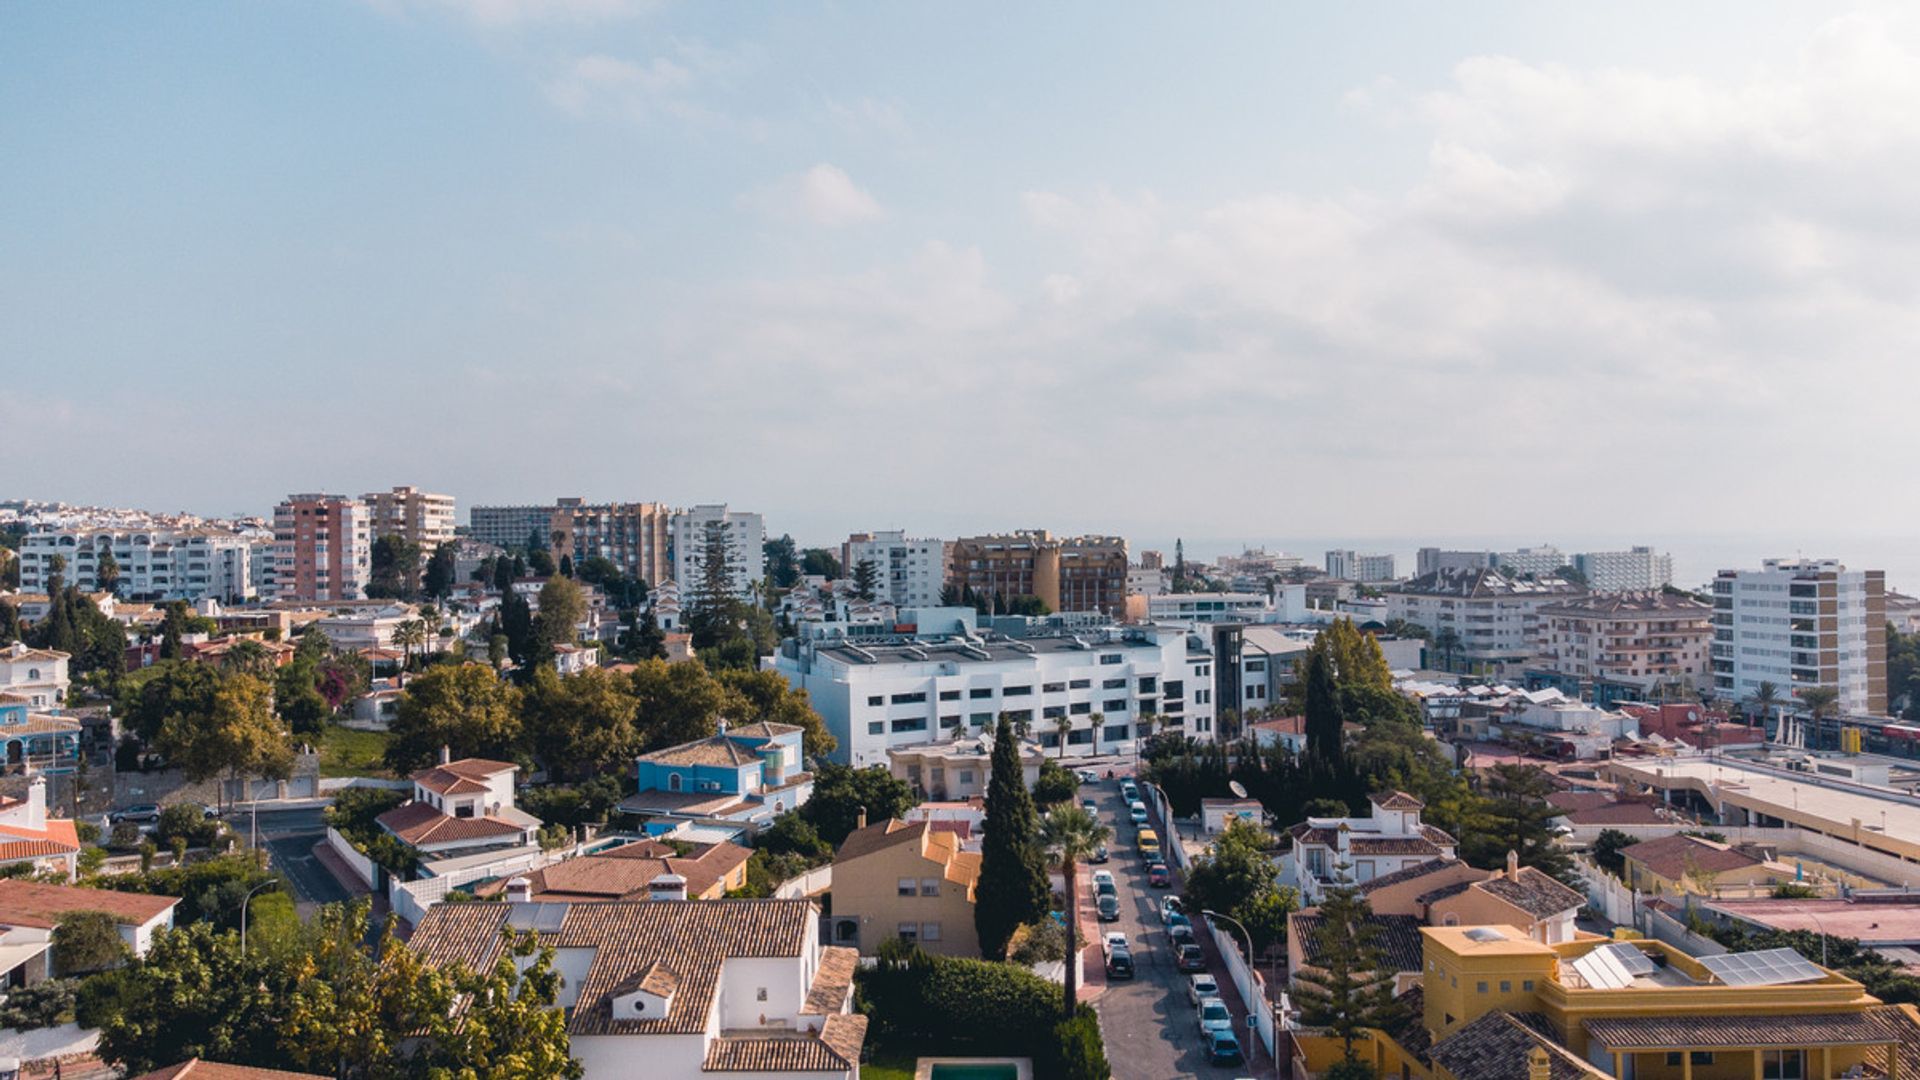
{"type": "Point", "coordinates": [1151, 1029]}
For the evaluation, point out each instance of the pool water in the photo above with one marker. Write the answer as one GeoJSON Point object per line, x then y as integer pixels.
{"type": "Point", "coordinates": [975, 1072]}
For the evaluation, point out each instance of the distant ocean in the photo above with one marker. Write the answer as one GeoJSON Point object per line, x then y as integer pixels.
{"type": "Point", "coordinates": [1695, 558]}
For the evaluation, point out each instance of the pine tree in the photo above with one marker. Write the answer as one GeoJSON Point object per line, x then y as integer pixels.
{"type": "Point", "coordinates": [1323, 720]}
{"type": "Point", "coordinates": [1179, 566]}
{"type": "Point", "coordinates": [1013, 877]}
{"type": "Point", "coordinates": [865, 576]}
{"type": "Point", "coordinates": [649, 641]}
{"type": "Point", "coordinates": [1348, 986]}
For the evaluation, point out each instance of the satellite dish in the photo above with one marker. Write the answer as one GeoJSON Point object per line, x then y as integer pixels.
{"type": "Point", "coordinates": [1239, 790]}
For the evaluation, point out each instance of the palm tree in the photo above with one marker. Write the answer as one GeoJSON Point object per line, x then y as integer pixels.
{"type": "Point", "coordinates": [1063, 725]}
{"type": "Point", "coordinates": [406, 635]}
{"type": "Point", "coordinates": [1764, 699]}
{"type": "Point", "coordinates": [1445, 641]}
{"type": "Point", "coordinates": [1070, 835]}
{"type": "Point", "coordinates": [1819, 702]}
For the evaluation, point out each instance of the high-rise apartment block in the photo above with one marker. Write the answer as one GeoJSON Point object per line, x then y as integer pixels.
{"type": "Point", "coordinates": [1799, 623]}
{"type": "Point", "coordinates": [421, 518]}
{"type": "Point", "coordinates": [1530, 561]}
{"type": "Point", "coordinates": [1632, 570]}
{"type": "Point", "coordinates": [1625, 645]}
{"type": "Point", "coordinates": [322, 548]}
{"type": "Point", "coordinates": [155, 564]}
{"type": "Point", "coordinates": [1430, 560]}
{"type": "Point", "coordinates": [636, 537]}
{"type": "Point", "coordinates": [510, 526]}
{"type": "Point", "coordinates": [910, 572]}
{"type": "Point", "coordinates": [746, 535]}
{"type": "Point", "coordinates": [1350, 566]}
{"type": "Point", "coordinates": [1082, 573]}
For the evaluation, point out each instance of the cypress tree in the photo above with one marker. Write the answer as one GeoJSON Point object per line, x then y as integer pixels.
{"type": "Point", "coordinates": [1013, 876]}
{"type": "Point", "coordinates": [1323, 719]}
{"type": "Point", "coordinates": [503, 574]}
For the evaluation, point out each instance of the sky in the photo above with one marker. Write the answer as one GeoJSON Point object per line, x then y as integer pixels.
{"type": "Point", "coordinates": [1227, 270]}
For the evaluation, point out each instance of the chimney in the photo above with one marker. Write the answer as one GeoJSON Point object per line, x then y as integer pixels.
{"type": "Point", "coordinates": [1513, 865]}
{"type": "Point", "coordinates": [668, 887]}
{"type": "Point", "coordinates": [721, 725]}
{"type": "Point", "coordinates": [519, 891]}
{"type": "Point", "coordinates": [446, 753]}
{"type": "Point", "coordinates": [1538, 1065]}
{"type": "Point", "coordinates": [37, 803]}
{"type": "Point", "coordinates": [860, 819]}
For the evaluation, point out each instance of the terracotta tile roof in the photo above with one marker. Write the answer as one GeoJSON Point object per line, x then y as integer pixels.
{"type": "Point", "coordinates": [836, 1049]}
{"type": "Point", "coordinates": [721, 750]}
{"type": "Point", "coordinates": [468, 776]}
{"type": "Point", "coordinates": [1395, 800]}
{"type": "Point", "coordinates": [1432, 840]}
{"type": "Point", "coordinates": [1708, 1032]}
{"type": "Point", "coordinates": [1626, 813]}
{"type": "Point", "coordinates": [49, 902]}
{"type": "Point", "coordinates": [58, 838]}
{"type": "Point", "coordinates": [625, 873]}
{"type": "Point", "coordinates": [935, 845]}
{"type": "Point", "coordinates": [1418, 870]}
{"type": "Point", "coordinates": [694, 937]}
{"type": "Point", "coordinates": [683, 803]}
{"type": "Point", "coordinates": [1496, 1045]}
{"type": "Point", "coordinates": [878, 837]}
{"type": "Point", "coordinates": [1399, 938]}
{"type": "Point", "coordinates": [1537, 893]}
{"type": "Point", "coordinates": [417, 824]}
{"type": "Point", "coordinates": [1580, 800]}
{"type": "Point", "coordinates": [41, 724]}
{"type": "Point", "coordinates": [1675, 857]}
{"type": "Point", "coordinates": [211, 1070]}
{"type": "Point", "coordinates": [832, 980]}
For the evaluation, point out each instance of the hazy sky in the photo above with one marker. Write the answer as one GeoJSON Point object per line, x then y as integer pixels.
{"type": "Point", "coordinates": [1221, 270]}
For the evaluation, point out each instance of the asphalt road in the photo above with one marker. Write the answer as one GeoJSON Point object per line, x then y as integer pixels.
{"type": "Point", "coordinates": [289, 836]}
{"type": "Point", "coordinates": [1150, 1028]}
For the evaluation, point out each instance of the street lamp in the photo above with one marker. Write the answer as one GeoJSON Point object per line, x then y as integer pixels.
{"type": "Point", "coordinates": [243, 910]}
{"type": "Point", "coordinates": [1253, 1014]}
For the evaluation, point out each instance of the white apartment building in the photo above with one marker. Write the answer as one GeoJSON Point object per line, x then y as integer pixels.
{"type": "Point", "coordinates": [910, 572]}
{"type": "Point", "coordinates": [1537, 561]}
{"type": "Point", "coordinates": [1431, 559]}
{"type": "Point", "coordinates": [1103, 681]}
{"type": "Point", "coordinates": [746, 535]}
{"type": "Point", "coordinates": [1146, 581]}
{"type": "Point", "coordinates": [1798, 623]}
{"type": "Point", "coordinates": [156, 563]}
{"type": "Point", "coordinates": [1210, 607]}
{"type": "Point", "coordinates": [1634, 570]}
{"type": "Point", "coordinates": [1477, 617]}
{"type": "Point", "coordinates": [423, 518]}
{"type": "Point", "coordinates": [1348, 565]}
{"type": "Point", "coordinates": [1391, 838]}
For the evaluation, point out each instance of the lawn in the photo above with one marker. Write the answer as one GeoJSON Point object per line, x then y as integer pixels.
{"type": "Point", "coordinates": [346, 752]}
{"type": "Point", "coordinates": [888, 1067]}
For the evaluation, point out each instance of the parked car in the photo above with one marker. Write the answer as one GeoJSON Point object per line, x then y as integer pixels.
{"type": "Point", "coordinates": [1087, 776]}
{"type": "Point", "coordinates": [1137, 813]}
{"type": "Point", "coordinates": [1101, 854]}
{"type": "Point", "coordinates": [1090, 806]}
{"type": "Point", "coordinates": [1109, 907]}
{"type": "Point", "coordinates": [1129, 791]}
{"type": "Point", "coordinates": [1172, 910]}
{"type": "Point", "coordinates": [1158, 876]}
{"type": "Point", "coordinates": [1190, 958]}
{"type": "Point", "coordinates": [1120, 964]}
{"type": "Point", "coordinates": [142, 813]}
{"type": "Point", "coordinates": [1200, 988]}
{"type": "Point", "coordinates": [1106, 888]}
{"type": "Point", "coordinates": [1214, 1016]}
{"type": "Point", "coordinates": [1224, 1049]}
{"type": "Point", "coordinates": [1114, 940]}
{"type": "Point", "coordinates": [1181, 933]}
{"type": "Point", "coordinates": [1102, 877]}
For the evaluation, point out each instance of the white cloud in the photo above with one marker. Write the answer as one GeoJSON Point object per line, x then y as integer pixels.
{"type": "Point", "coordinates": [869, 116]}
{"type": "Point", "coordinates": [822, 195]}
{"type": "Point", "coordinates": [590, 79]}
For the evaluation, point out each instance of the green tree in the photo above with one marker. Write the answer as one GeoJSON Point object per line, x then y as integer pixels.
{"type": "Point", "coordinates": [1237, 877]}
{"type": "Point", "coordinates": [841, 793]}
{"type": "Point", "coordinates": [1516, 816]}
{"type": "Point", "coordinates": [107, 573]}
{"type": "Point", "coordinates": [395, 569]}
{"type": "Point", "coordinates": [9, 623]}
{"type": "Point", "coordinates": [756, 696]}
{"type": "Point", "coordinates": [819, 562]}
{"type": "Point", "coordinates": [865, 577]}
{"type": "Point", "coordinates": [1349, 988]}
{"type": "Point", "coordinates": [171, 630]}
{"type": "Point", "coordinates": [1083, 1055]}
{"type": "Point", "coordinates": [170, 688]}
{"type": "Point", "coordinates": [1820, 702]}
{"type": "Point", "coordinates": [464, 707]}
{"type": "Point", "coordinates": [442, 566]}
{"type": "Point", "coordinates": [87, 941]}
{"type": "Point", "coordinates": [581, 725]}
{"type": "Point", "coordinates": [516, 622]}
{"type": "Point", "coordinates": [1446, 642]}
{"type": "Point", "coordinates": [511, 1029]}
{"type": "Point", "coordinates": [503, 575]}
{"type": "Point", "coordinates": [1764, 700]}
{"type": "Point", "coordinates": [562, 606]}
{"type": "Point", "coordinates": [1325, 726]}
{"type": "Point", "coordinates": [783, 562]}
{"type": "Point", "coordinates": [678, 703]}
{"type": "Point", "coordinates": [1606, 850]}
{"type": "Point", "coordinates": [240, 736]}
{"type": "Point", "coordinates": [1070, 835]}
{"type": "Point", "coordinates": [1012, 889]}
{"type": "Point", "coordinates": [649, 641]}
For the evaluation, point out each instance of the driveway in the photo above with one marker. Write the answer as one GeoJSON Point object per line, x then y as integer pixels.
{"type": "Point", "coordinates": [288, 837]}
{"type": "Point", "coordinates": [1150, 1028]}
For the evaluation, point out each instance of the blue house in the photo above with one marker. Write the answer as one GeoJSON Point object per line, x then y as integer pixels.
{"type": "Point", "coordinates": [743, 775]}
{"type": "Point", "coordinates": [33, 744]}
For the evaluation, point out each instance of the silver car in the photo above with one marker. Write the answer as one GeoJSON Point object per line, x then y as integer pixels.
{"type": "Point", "coordinates": [1200, 988]}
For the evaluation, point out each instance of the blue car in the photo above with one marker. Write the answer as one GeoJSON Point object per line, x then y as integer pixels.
{"type": "Point", "coordinates": [1224, 1049]}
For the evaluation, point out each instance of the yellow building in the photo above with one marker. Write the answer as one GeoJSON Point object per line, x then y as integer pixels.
{"type": "Point", "coordinates": [906, 879]}
{"type": "Point", "coordinates": [1495, 1004]}
{"type": "Point", "coordinates": [1678, 864]}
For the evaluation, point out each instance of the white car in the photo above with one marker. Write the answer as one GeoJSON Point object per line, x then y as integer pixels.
{"type": "Point", "coordinates": [1114, 940]}
{"type": "Point", "coordinates": [1200, 988]}
{"type": "Point", "coordinates": [1137, 813]}
{"type": "Point", "coordinates": [1102, 877]}
{"type": "Point", "coordinates": [1214, 1016]}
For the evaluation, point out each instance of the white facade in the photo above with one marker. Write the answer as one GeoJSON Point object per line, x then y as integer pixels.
{"type": "Point", "coordinates": [909, 572]}
{"type": "Point", "coordinates": [38, 675]}
{"type": "Point", "coordinates": [1538, 561]}
{"type": "Point", "coordinates": [164, 564]}
{"type": "Point", "coordinates": [1390, 839]}
{"type": "Point", "coordinates": [1214, 607]}
{"type": "Point", "coordinates": [1348, 565]}
{"type": "Point", "coordinates": [746, 534]}
{"type": "Point", "coordinates": [1494, 619]}
{"type": "Point", "coordinates": [1802, 623]}
{"type": "Point", "coordinates": [1146, 581]}
{"type": "Point", "coordinates": [1633, 570]}
{"type": "Point", "coordinates": [877, 697]}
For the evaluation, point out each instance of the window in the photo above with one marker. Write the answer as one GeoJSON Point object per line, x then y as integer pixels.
{"type": "Point", "coordinates": [761, 994]}
{"type": "Point", "coordinates": [1053, 712]}
{"type": "Point", "coordinates": [673, 781]}
{"type": "Point", "coordinates": [1110, 658]}
{"type": "Point", "coordinates": [1256, 665]}
{"type": "Point", "coordinates": [909, 931]}
{"type": "Point", "coordinates": [1506, 987]}
{"type": "Point", "coordinates": [966, 776]}
{"type": "Point", "coordinates": [917, 723]}
{"type": "Point", "coordinates": [980, 719]}
{"type": "Point", "coordinates": [1017, 691]}
{"type": "Point", "coordinates": [877, 699]}
{"type": "Point", "coordinates": [1480, 988]}
{"type": "Point", "coordinates": [930, 931]}
{"type": "Point", "coordinates": [1115, 733]}
{"type": "Point", "coordinates": [1527, 985]}
{"type": "Point", "coordinates": [950, 721]}
{"type": "Point", "coordinates": [1783, 1064]}
{"type": "Point", "coordinates": [929, 886]}
{"type": "Point", "coordinates": [1081, 737]}
{"type": "Point", "coordinates": [949, 695]}
{"type": "Point", "coordinates": [877, 727]}
{"type": "Point", "coordinates": [1117, 705]}
{"type": "Point", "coordinates": [1080, 708]}
{"type": "Point", "coordinates": [1174, 688]}
{"type": "Point", "coordinates": [1019, 716]}
{"type": "Point", "coordinates": [1113, 684]}
{"type": "Point", "coordinates": [980, 693]}
{"type": "Point", "coordinates": [1147, 683]}
{"type": "Point", "coordinates": [915, 698]}
{"type": "Point", "coordinates": [909, 887]}
{"type": "Point", "coordinates": [463, 810]}
{"type": "Point", "coordinates": [1079, 684]}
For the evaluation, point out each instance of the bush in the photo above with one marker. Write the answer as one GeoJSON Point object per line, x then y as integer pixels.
{"type": "Point", "coordinates": [125, 836]}
{"type": "Point", "coordinates": [943, 1005]}
{"type": "Point", "coordinates": [1054, 785]}
{"type": "Point", "coordinates": [185, 822]}
{"type": "Point", "coordinates": [87, 831]}
{"type": "Point", "coordinates": [87, 941]}
{"type": "Point", "coordinates": [590, 802]}
{"type": "Point", "coordinates": [44, 1004]}
{"type": "Point", "coordinates": [1082, 1054]}
{"type": "Point", "coordinates": [1040, 942]}
{"type": "Point", "coordinates": [211, 889]}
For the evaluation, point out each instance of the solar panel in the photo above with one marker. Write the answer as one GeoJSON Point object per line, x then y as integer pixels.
{"type": "Point", "coordinates": [1602, 971]}
{"type": "Point", "coordinates": [1630, 959]}
{"type": "Point", "coordinates": [537, 916]}
{"type": "Point", "coordinates": [1767, 967]}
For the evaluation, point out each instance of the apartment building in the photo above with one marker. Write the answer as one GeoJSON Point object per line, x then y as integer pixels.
{"type": "Point", "coordinates": [672, 987]}
{"type": "Point", "coordinates": [746, 536]}
{"type": "Point", "coordinates": [1211, 607]}
{"type": "Point", "coordinates": [38, 677]}
{"type": "Point", "coordinates": [322, 548]}
{"type": "Point", "coordinates": [636, 537]}
{"type": "Point", "coordinates": [1347, 565]}
{"type": "Point", "coordinates": [152, 563]}
{"type": "Point", "coordinates": [1081, 573]}
{"type": "Point", "coordinates": [1799, 623]}
{"type": "Point", "coordinates": [910, 572]}
{"type": "Point", "coordinates": [1621, 646]}
{"type": "Point", "coordinates": [1105, 683]}
{"type": "Point", "coordinates": [1430, 560]}
{"type": "Point", "coordinates": [422, 518]}
{"type": "Point", "coordinates": [1631, 570]}
{"type": "Point", "coordinates": [905, 879]}
{"type": "Point", "coordinates": [1531, 561]}
{"type": "Point", "coordinates": [510, 526]}
{"type": "Point", "coordinates": [1477, 618]}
